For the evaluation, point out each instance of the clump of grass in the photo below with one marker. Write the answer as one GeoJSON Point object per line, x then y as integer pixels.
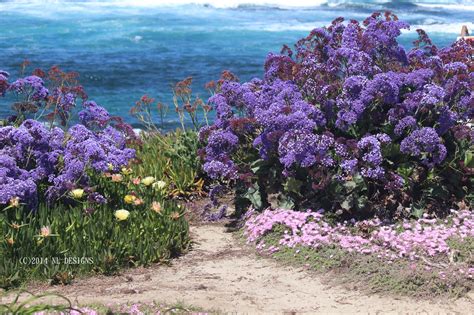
{"type": "Point", "coordinates": [463, 250]}
{"type": "Point", "coordinates": [172, 157]}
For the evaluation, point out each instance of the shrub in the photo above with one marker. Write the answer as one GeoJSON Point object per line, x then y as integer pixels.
{"type": "Point", "coordinates": [350, 122]}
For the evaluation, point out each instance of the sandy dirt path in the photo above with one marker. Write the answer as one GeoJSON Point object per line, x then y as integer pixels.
{"type": "Point", "coordinates": [221, 274]}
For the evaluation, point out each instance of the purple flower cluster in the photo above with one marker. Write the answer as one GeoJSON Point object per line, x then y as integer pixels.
{"type": "Point", "coordinates": [412, 240]}
{"type": "Point", "coordinates": [372, 156]}
{"type": "Point", "coordinates": [427, 143]}
{"type": "Point", "coordinates": [32, 157]}
{"type": "Point", "coordinates": [305, 149]}
{"type": "Point", "coordinates": [94, 115]}
{"type": "Point", "coordinates": [349, 101]}
{"type": "Point", "coordinates": [31, 86]}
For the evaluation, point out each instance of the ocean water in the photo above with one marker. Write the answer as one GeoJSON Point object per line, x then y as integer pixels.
{"type": "Point", "coordinates": [125, 49]}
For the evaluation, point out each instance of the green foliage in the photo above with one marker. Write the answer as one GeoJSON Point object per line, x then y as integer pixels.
{"type": "Point", "coordinates": [32, 305]}
{"type": "Point", "coordinates": [77, 242]}
{"type": "Point", "coordinates": [172, 158]}
{"type": "Point", "coordinates": [462, 250]}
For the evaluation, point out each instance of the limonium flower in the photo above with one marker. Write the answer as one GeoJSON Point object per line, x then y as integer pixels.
{"type": "Point", "coordinates": [122, 214]}
{"type": "Point", "coordinates": [77, 193]}
{"type": "Point", "coordinates": [147, 181]}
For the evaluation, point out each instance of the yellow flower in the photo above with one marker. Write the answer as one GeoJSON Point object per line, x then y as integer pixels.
{"type": "Point", "coordinates": [147, 181]}
{"type": "Point", "coordinates": [15, 202]}
{"type": "Point", "coordinates": [159, 185]}
{"type": "Point", "coordinates": [110, 166]}
{"type": "Point", "coordinates": [156, 206]}
{"type": "Point", "coordinates": [45, 231]}
{"type": "Point", "coordinates": [121, 214]}
{"type": "Point", "coordinates": [77, 193]}
{"type": "Point", "coordinates": [129, 199]}
{"type": "Point", "coordinates": [116, 178]}
{"type": "Point", "coordinates": [126, 171]}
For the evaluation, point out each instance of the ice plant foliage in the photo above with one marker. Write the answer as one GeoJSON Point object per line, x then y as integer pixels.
{"type": "Point", "coordinates": [414, 240]}
{"type": "Point", "coordinates": [350, 120]}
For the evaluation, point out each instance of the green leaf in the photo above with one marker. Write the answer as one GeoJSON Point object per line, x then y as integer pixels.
{"type": "Point", "coordinates": [253, 194]}
{"type": "Point", "coordinates": [350, 185]}
{"type": "Point", "coordinates": [293, 185]}
{"type": "Point", "coordinates": [361, 202]}
{"type": "Point", "coordinates": [417, 211]}
{"type": "Point", "coordinates": [469, 159]}
{"type": "Point", "coordinates": [256, 165]}
{"type": "Point", "coordinates": [347, 203]}
{"type": "Point", "coordinates": [285, 202]}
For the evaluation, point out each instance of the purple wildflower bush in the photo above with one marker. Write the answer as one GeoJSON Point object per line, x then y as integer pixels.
{"type": "Point", "coordinates": [41, 159]}
{"type": "Point", "coordinates": [351, 122]}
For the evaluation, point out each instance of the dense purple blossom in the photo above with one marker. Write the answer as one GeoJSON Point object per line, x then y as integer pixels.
{"type": "Point", "coordinates": [372, 156]}
{"type": "Point", "coordinates": [220, 144]}
{"type": "Point", "coordinates": [217, 169]}
{"type": "Point", "coordinates": [93, 115]}
{"type": "Point", "coordinates": [447, 119]}
{"type": "Point", "coordinates": [32, 155]}
{"type": "Point", "coordinates": [65, 101]}
{"type": "Point", "coordinates": [404, 124]}
{"type": "Point", "coordinates": [425, 143]}
{"type": "Point", "coordinates": [31, 86]}
{"type": "Point", "coordinates": [96, 198]}
{"type": "Point", "coordinates": [349, 166]}
{"type": "Point", "coordinates": [350, 101]}
{"type": "Point", "coordinates": [298, 147]}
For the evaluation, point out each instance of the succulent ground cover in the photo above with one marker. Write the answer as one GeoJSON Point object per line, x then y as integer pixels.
{"type": "Point", "coordinates": [418, 257]}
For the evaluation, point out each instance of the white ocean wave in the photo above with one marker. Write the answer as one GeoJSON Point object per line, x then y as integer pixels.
{"type": "Point", "coordinates": [451, 28]}
{"type": "Point", "coordinates": [172, 3]}
{"type": "Point", "coordinates": [446, 4]}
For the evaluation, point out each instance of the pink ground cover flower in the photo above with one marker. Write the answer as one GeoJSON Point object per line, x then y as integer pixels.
{"type": "Point", "coordinates": [415, 240]}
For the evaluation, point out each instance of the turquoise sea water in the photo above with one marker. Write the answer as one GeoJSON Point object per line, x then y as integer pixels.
{"type": "Point", "coordinates": [124, 49]}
